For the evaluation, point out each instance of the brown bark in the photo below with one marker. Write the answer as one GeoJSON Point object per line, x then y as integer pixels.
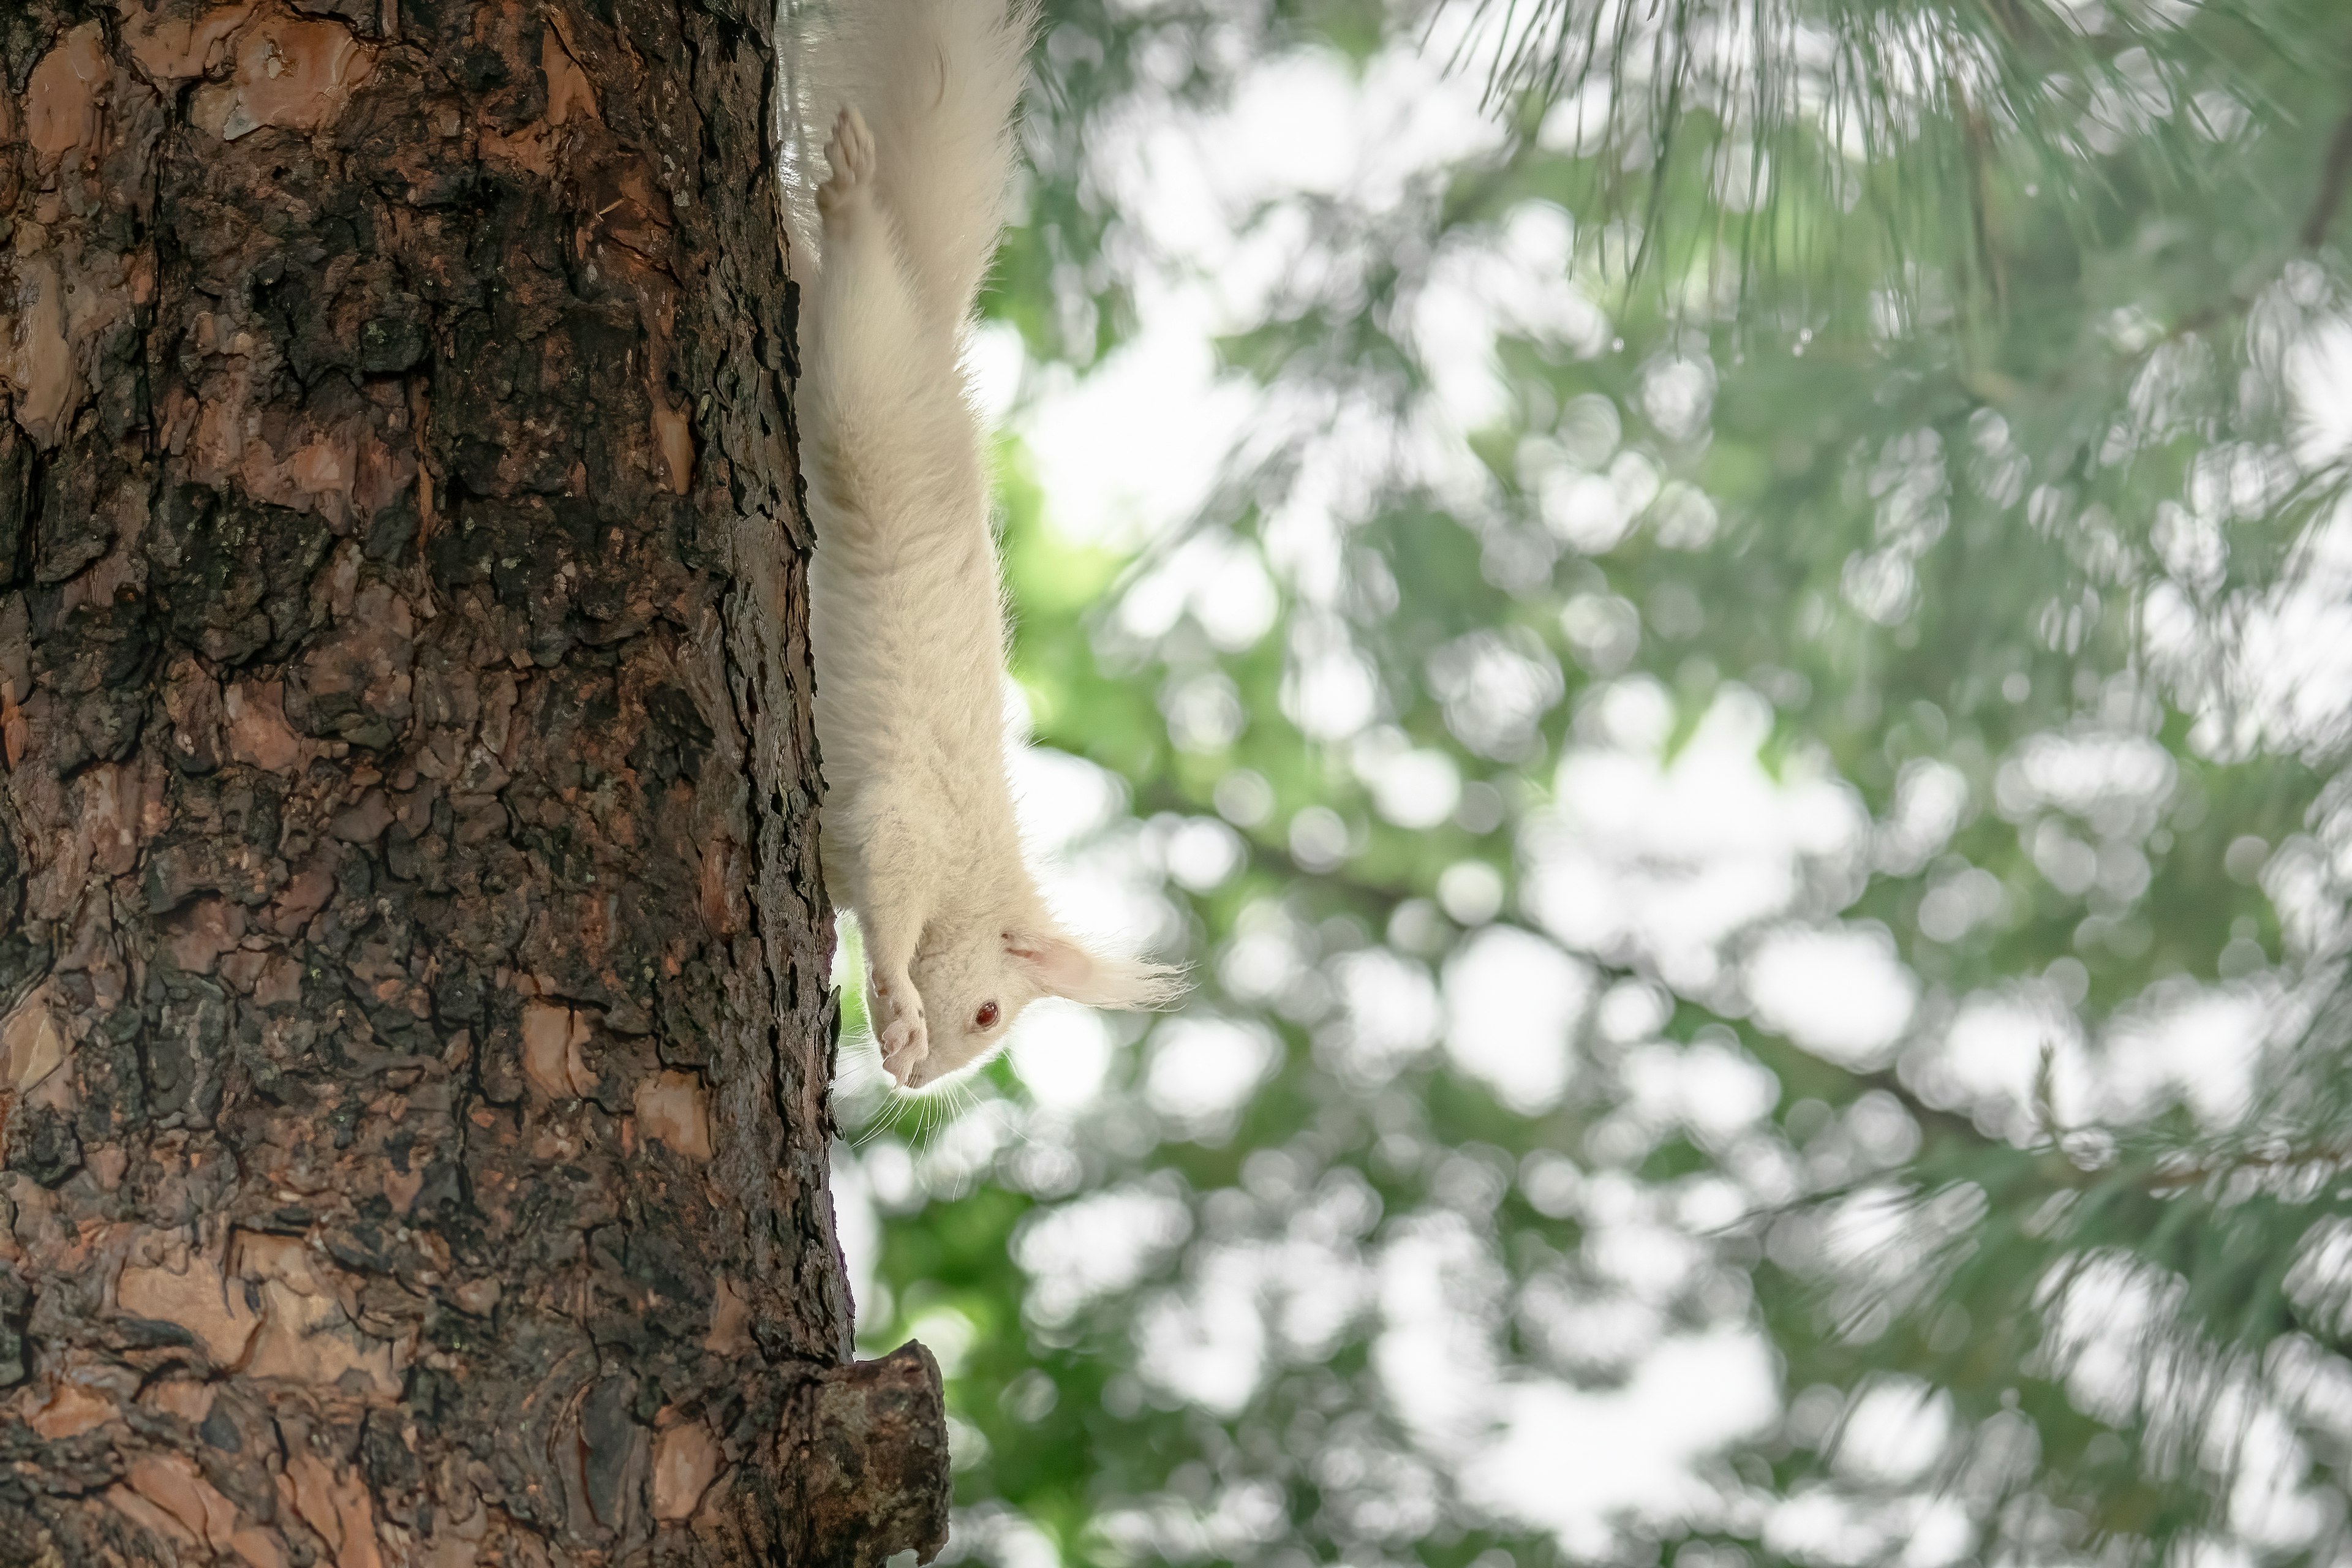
{"type": "Point", "coordinates": [413, 1026]}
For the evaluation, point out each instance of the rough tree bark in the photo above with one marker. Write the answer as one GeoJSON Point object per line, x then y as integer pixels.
{"type": "Point", "coordinates": [414, 1020]}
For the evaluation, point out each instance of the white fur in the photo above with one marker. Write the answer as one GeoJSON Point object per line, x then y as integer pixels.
{"type": "Point", "coordinates": [906, 608]}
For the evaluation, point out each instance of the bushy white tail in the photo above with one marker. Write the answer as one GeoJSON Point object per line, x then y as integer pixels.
{"type": "Point", "coordinates": [936, 81]}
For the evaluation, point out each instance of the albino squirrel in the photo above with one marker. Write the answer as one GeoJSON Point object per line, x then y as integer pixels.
{"type": "Point", "coordinates": [906, 607]}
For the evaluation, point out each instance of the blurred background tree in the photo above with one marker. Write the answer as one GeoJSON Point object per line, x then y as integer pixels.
{"type": "Point", "coordinates": [1725, 631]}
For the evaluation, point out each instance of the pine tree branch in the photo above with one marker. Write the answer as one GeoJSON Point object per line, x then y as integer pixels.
{"type": "Point", "coordinates": [2179, 1178]}
{"type": "Point", "coordinates": [2332, 182]}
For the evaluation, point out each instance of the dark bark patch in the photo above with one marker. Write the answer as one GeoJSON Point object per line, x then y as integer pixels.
{"type": "Point", "coordinates": [234, 579]}
{"type": "Point", "coordinates": [17, 512]}
{"type": "Point", "coordinates": [44, 1146]}
{"type": "Point", "coordinates": [613, 1454]}
{"type": "Point", "coordinates": [15, 1308]}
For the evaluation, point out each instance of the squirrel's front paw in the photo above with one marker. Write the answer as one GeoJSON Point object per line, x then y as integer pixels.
{"type": "Point", "coordinates": [903, 1046]}
{"type": "Point", "coordinates": [851, 153]}
{"type": "Point", "coordinates": [898, 1028]}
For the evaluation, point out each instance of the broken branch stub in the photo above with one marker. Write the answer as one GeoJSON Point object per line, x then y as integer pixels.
{"type": "Point", "coordinates": [873, 1442]}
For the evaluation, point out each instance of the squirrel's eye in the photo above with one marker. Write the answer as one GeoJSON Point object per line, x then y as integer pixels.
{"type": "Point", "coordinates": [986, 1018]}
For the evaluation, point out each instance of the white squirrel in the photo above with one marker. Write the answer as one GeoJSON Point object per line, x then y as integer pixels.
{"type": "Point", "coordinates": [906, 606]}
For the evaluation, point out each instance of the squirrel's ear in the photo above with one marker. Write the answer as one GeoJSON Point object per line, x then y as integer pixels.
{"type": "Point", "coordinates": [1055, 963]}
{"type": "Point", "coordinates": [1064, 968]}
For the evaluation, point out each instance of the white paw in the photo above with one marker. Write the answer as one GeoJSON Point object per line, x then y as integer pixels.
{"type": "Point", "coordinates": [851, 153]}
{"type": "Point", "coordinates": [905, 1044]}
{"type": "Point", "coordinates": [898, 1027]}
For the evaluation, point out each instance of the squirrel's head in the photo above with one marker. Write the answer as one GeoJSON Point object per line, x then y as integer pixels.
{"type": "Point", "coordinates": [974, 987]}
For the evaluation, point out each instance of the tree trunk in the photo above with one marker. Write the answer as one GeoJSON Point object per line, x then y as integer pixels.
{"type": "Point", "coordinates": [413, 1019]}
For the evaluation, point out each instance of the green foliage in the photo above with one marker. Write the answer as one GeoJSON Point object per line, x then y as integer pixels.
{"type": "Point", "coordinates": [1939, 562]}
